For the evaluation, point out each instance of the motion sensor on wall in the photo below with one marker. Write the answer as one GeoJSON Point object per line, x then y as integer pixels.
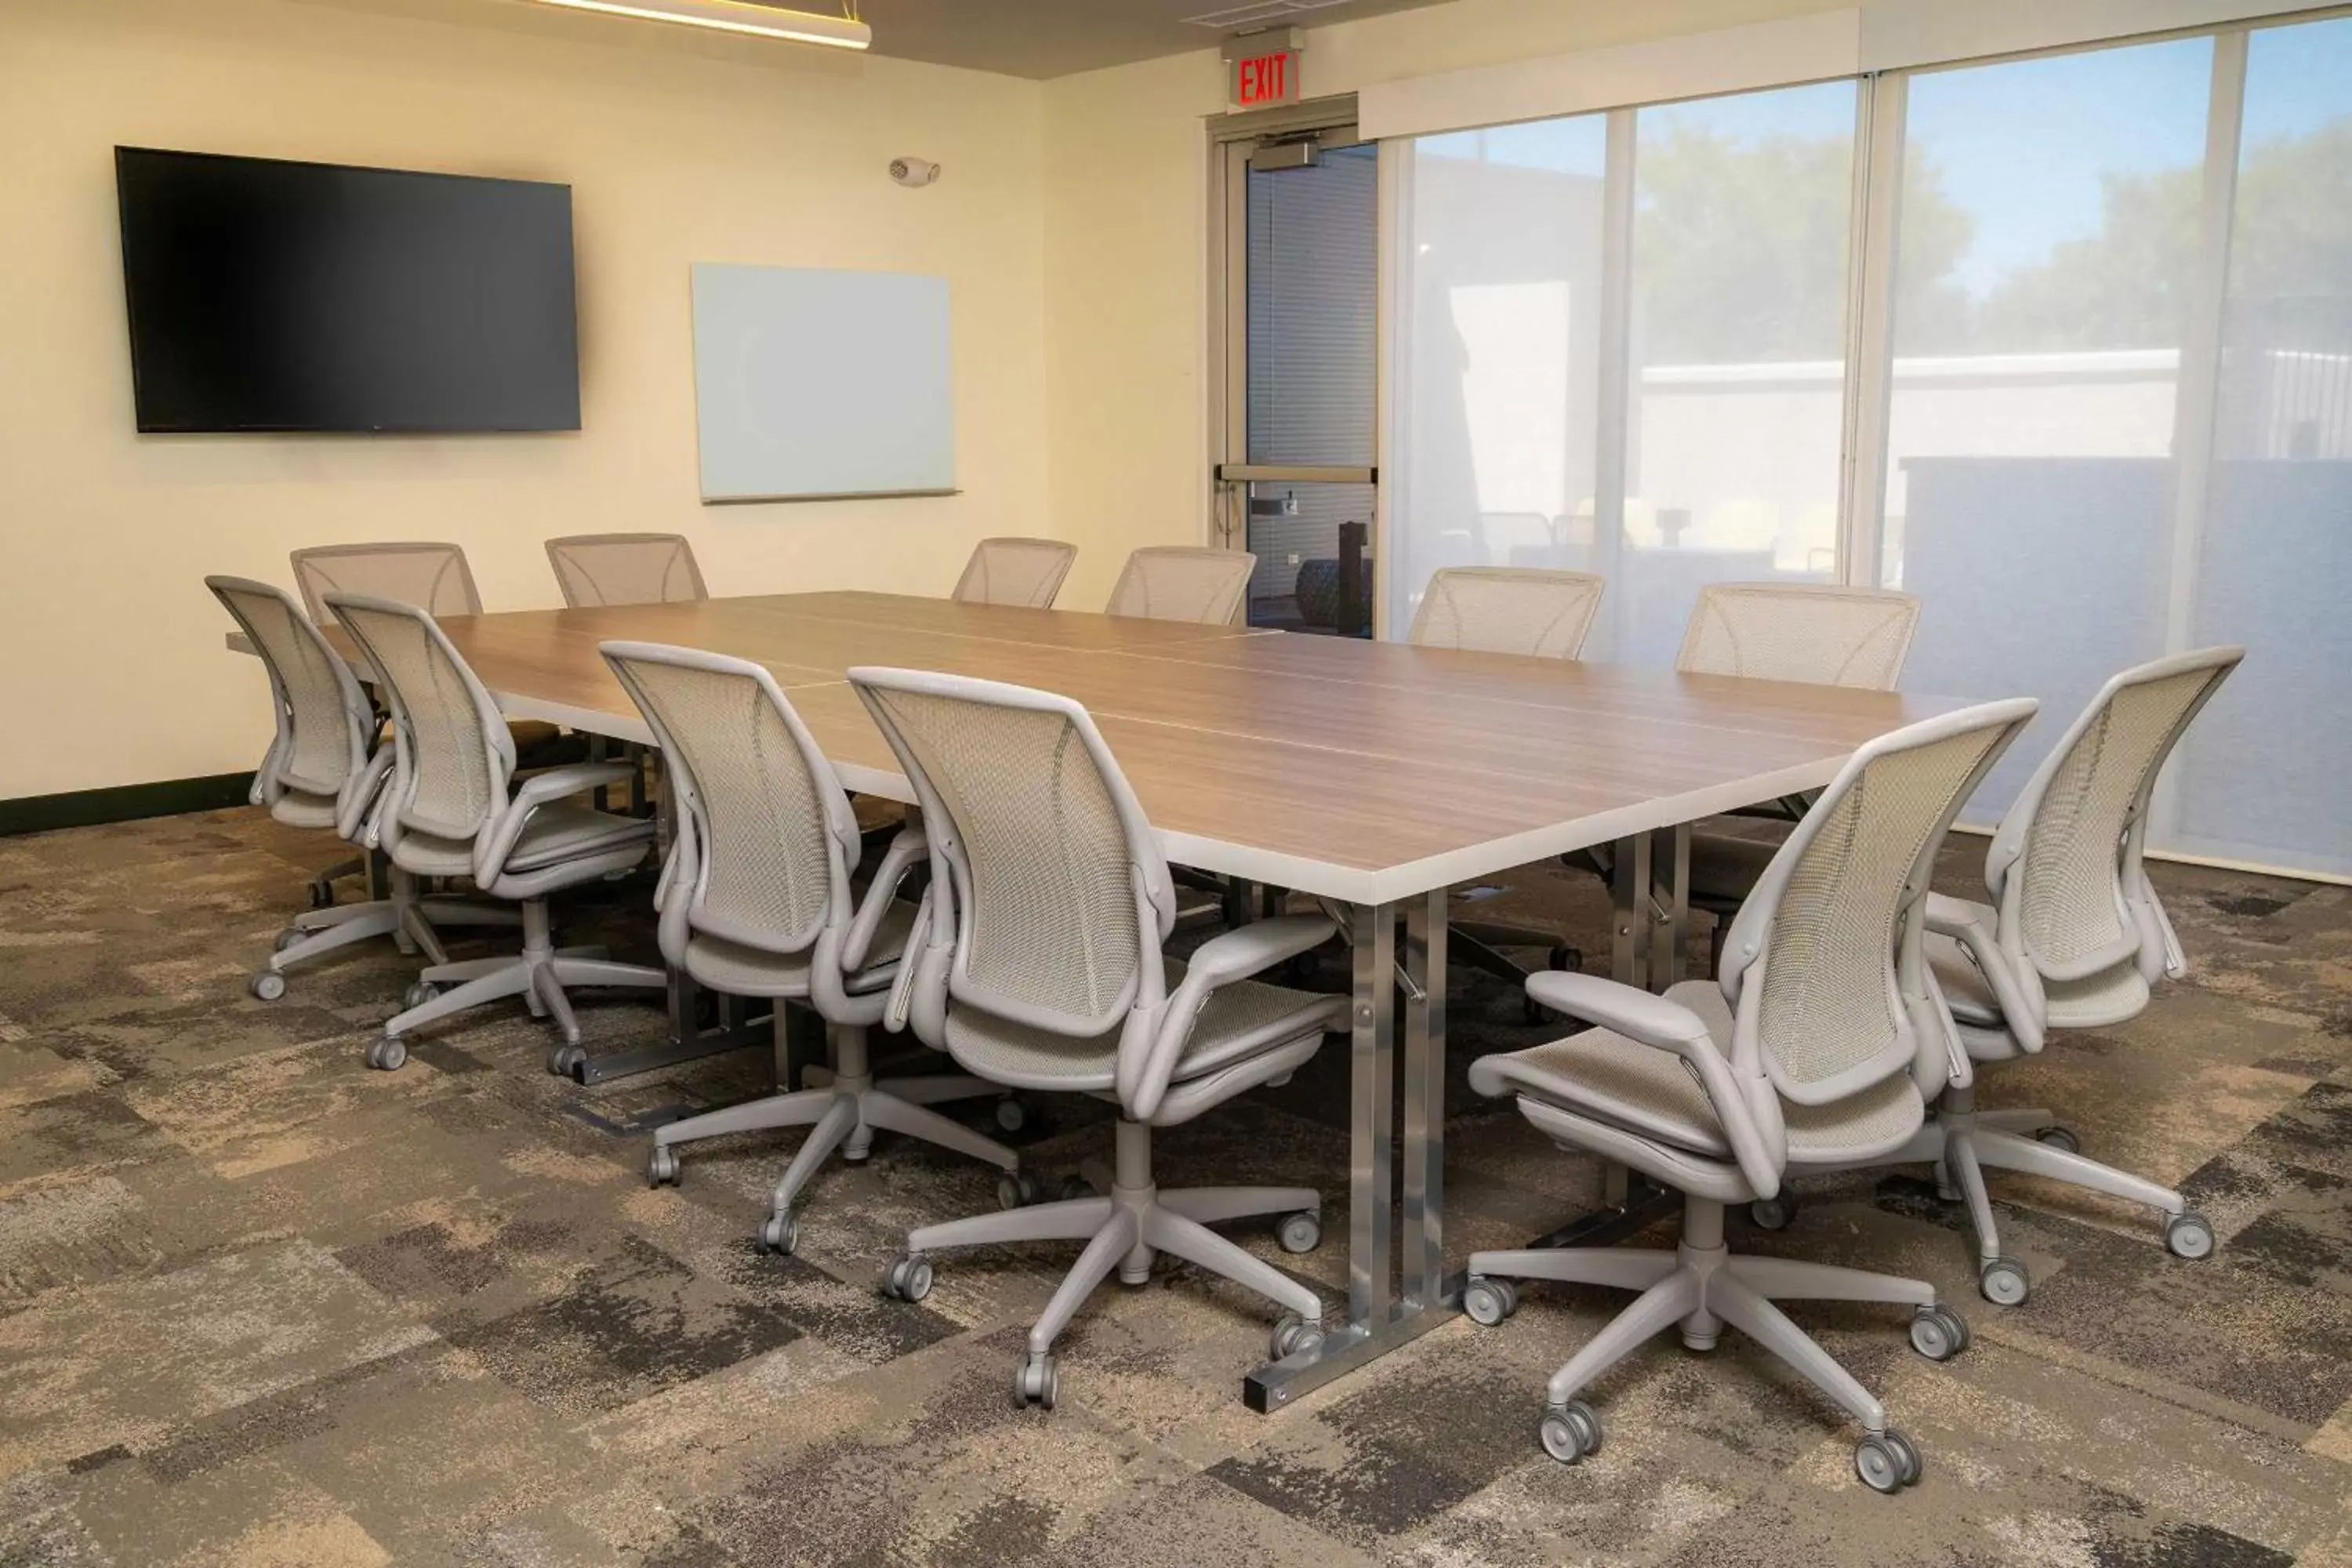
{"type": "Point", "coordinates": [914, 172]}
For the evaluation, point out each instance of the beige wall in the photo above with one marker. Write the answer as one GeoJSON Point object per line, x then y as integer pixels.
{"type": "Point", "coordinates": [1127, 206]}
{"type": "Point", "coordinates": [112, 668]}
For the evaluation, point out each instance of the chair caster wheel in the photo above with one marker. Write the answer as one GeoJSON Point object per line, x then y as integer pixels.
{"type": "Point", "coordinates": [1073, 1187]}
{"type": "Point", "coordinates": [1488, 1302]}
{"type": "Point", "coordinates": [661, 1170]}
{"type": "Point", "coordinates": [387, 1054]}
{"type": "Point", "coordinates": [1300, 1232]}
{"type": "Point", "coordinates": [1565, 959]}
{"type": "Point", "coordinates": [1012, 1116]}
{"type": "Point", "coordinates": [1886, 1461]}
{"type": "Point", "coordinates": [2004, 1282]}
{"type": "Point", "coordinates": [1570, 1432]}
{"type": "Point", "coordinates": [1292, 1334]}
{"type": "Point", "coordinates": [1036, 1381]}
{"type": "Point", "coordinates": [1774, 1213]}
{"type": "Point", "coordinates": [779, 1233]}
{"type": "Point", "coordinates": [267, 985]}
{"type": "Point", "coordinates": [2061, 1138]}
{"type": "Point", "coordinates": [323, 894]}
{"type": "Point", "coordinates": [419, 993]}
{"type": "Point", "coordinates": [1939, 1334]}
{"type": "Point", "coordinates": [2189, 1234]}
{"type": "Point", "coordinates": [565, 1061]}
{"type": "Point", "coordinates": [1015, 1190]}
{"type": "Point", "coordinates": [288, 938]}
{"type": "Point", "coordinates": [908, 1279]}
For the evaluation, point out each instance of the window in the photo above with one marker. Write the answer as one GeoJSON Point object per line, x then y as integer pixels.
{"type": "Point", "coordinates": [2046, 254]}
{"type": "Point", "coordinates": [1743, 206]}
{"type": "Point", "coordinates": [2088, 393]}
{"type": "Point", "coordinates": [2265, 774]}
{"type": "Point", "coordinates": [1499, 334]}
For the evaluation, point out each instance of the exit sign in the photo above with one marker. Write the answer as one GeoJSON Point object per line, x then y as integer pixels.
{"type": "Point", "coordinates": [1262, 69]}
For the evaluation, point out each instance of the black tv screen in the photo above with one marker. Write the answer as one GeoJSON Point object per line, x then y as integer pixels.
{"type": "Point", "coordinates": [276, 296]}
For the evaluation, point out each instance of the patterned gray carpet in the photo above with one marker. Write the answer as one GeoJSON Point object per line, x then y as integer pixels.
{"type": "Point", "coordinates": [261, 1305]}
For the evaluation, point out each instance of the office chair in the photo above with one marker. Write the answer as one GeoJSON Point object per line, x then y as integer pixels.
{"type": "Point", "coordinates": [1811, 633]}
{"type": "Point", "coordinates": [433, 577]}
{"type": "Point", "coordinates": [1824, 1039]}
{"type": "Point", "coordinates": [1815, 633]}
{"type": "Point", "coordinates": [1530, 610]}
{"type": "Point", "coordinates": [1183, 582]}
{"type": "Point", "coordinates": [1021, 572]}
{"type": "Point", "coordinates": [596, 569]}
{"type": "Point", "coordinates": [1038, 965]}
{"type": "Point", "coordinates": [452, 808]}
{"type": "Point", "coordinates": [756, 901]}
{"type": "Point", "coordinates": [324, 768]}
{"type": "Point", "coordinates": [1535, 612]}
{"type": "Point", "coordinates": [2074, 938]}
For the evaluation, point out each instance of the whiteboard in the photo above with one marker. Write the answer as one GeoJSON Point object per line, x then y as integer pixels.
{"type": "Point", "coordinates": [811, 383]}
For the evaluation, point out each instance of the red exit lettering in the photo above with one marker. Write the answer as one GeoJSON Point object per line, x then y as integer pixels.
{"type": "Point", "coordinates": [1265, 80]}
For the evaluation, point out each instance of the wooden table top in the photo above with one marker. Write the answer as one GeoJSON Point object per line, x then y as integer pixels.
{"type": "Point", "coordinates": [1360, 771]}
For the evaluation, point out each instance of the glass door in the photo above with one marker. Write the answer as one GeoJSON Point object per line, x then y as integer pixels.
{"type": "Point", "coordinates": [1296, 485]}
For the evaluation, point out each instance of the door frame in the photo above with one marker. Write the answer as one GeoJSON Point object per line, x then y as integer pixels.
{"type": "Point", "coordinates": [1232, 138]}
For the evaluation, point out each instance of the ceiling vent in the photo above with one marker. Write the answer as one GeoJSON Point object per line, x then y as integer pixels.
{"type": "Point", "coordinates": [1261, 11]}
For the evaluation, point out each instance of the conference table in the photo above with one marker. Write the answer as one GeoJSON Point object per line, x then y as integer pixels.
{"type": "Point", "coordinates": [1373, 775]}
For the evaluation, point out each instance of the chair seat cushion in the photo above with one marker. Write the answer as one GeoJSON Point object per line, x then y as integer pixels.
{"type": "Point", "coordinates": [556, 832]}
{"type": "Point", "coordinates": [563, 831]}
{"type": "Point", "coordinates": [299, 808]}
{"type": "Point", "coordinates": [739, 969]}
{"type": "Point", "coordinates": [1626, 1084]}
{"type": "Point", "coordinates": [1239, 1021]}
{"type": "Point", "coordinates": [2094, 1002]}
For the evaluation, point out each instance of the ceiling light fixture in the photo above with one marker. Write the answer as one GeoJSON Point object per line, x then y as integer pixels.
{"type": "Point", "coordinates": [739, 16]}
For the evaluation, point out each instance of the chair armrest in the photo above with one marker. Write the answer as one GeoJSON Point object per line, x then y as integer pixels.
{"type": "Point", "coordinates": [259, 792]}
{"type": "Point", "coordinates": [907, 846]}
{"type": "Point", "coordinates": [1636, 1013]}
{"type": "Point", "coordinates": [1955, 918]}
{"type": "Point", "coordinates": [1255, 948]}
{"type": "Point", "coordinates": [1965, 923]}
{"type": "Point", "coordinates": [491, 849]}
{"type": "Point", "coordinates": [1667, 1025]}
{"type": "Point", "coordinates": [1221, 961]}
{"type": "Point", "coordinates": [360, 795]}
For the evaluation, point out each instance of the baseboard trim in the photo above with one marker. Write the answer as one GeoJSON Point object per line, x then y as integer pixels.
{"type": "Point", "coordinates": [122, 803]}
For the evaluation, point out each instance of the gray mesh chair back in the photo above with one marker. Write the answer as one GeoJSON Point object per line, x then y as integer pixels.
{"type": "Point", "coordinates": [1183, 582]}
{"type": "Point", "coordinates": [768, 836]}
{"type": "Point", "coordinates": [455, 753]}
{"type": "Point", "coordinates": [2073, 842]}
{"type": "Point", "coordinates": [1061, 896]}
{"type": "Point", "coordinates": [326, 726]}
{"type": "Point", "coordinates": [625, 569]}
{"type": "Point", "coordinates": [1529, 610]}
{"type": "Point", "coordinates": [1821, 634]}
{"type": "Point", "coordinates": [1019, 571]}
{"type": "Point", "coordinates": [435, 577]}
{"type": "Point", "coordinates": [1824, 964]}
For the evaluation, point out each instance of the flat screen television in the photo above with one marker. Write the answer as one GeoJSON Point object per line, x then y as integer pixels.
{"type": "Point", "coordinates": [279, 296]}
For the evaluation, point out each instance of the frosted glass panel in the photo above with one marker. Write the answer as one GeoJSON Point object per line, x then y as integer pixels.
{"type": "Point", "coordinates": [2267, 774]}
{"type": "Point", "coordinates": [1743, 209]}
{"type": "Point", "coordinates": [1499, 354]}
{"type": "Point", "coordinates": [812, 381]}
{"type": "Point", "coordinates": [2045, 265]}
